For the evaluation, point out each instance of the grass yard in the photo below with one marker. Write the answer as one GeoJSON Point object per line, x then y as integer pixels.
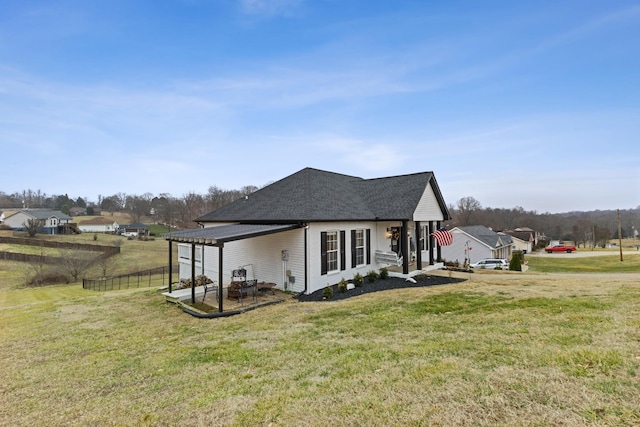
{"type": "Point", "coordinates": [595, 264]}
{"type": "Point", "coordinates": [499, 349]}
{"type": "Point", "coordinates": [135, 255]}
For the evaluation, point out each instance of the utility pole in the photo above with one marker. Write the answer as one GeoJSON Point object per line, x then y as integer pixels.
{"type": "Point", "coordinates": [620, 236]}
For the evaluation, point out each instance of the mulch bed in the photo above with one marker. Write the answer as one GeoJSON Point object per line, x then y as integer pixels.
{"type": "Point", "coordinates": [380, 285]}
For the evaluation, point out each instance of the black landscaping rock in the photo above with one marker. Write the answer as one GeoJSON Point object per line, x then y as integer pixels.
{"type": "Point", "coordinates": [380, 285]}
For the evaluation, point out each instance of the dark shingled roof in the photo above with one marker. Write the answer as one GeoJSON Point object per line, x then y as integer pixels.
{"type": "Point", "coordinates": [486, 235]}
{"type": "Point", "coordinates": [46, 214]}
{"type": "Point", "coordinates": [317, 195]}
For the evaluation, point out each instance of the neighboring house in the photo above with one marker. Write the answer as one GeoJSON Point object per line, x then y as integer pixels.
{"type": "Point", "coordinates": [524, 239]}
{"type": "Point", "coordinates": [312, 228]}
{"type": "Point", "coordinates": [520, 245]}
{"type": "Point", "coordinates": [137, 227]}
{"type": "Point", "coordinates": [55, 222]}
{"type": "Point", "coordinates": [476, 242]}
{"type": "Point", "coordinates": [98, 225]}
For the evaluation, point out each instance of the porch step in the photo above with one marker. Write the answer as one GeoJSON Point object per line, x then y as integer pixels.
{"type": "Point", "coordinates": [182, 294]}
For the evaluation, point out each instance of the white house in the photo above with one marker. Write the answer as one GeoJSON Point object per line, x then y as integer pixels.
{"type": "Point", "coordinates": [521, 245]}
{"type": "Point", "coordinates": [524, 239]}
{"type": "Point", "coordinates": [54, 222]}
{"type": "Point", "coordinates": [314, 227]}
{"type": "Point", "coordinates": [98, 225]}
{"type": "Point", "coordinates": [475, 242]}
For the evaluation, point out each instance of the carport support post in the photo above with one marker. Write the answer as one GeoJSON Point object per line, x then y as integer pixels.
{"type": "Point", "coordinates": [220, 287]}
{"type": "Point", "coordinates": [193, 273]}
{"type": "Point", "coordinates": [170, 267]}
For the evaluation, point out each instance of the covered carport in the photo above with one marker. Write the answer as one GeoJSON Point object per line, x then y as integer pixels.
{"type": "Point", "coordinates": [217, 237]}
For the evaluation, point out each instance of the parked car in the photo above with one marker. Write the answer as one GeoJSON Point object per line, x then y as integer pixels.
{"type": "Point", "coordinates": [491, 264]}
{"type": "Point", "coordinates": [560, 248]}
{"type": "Point", "coordinates": [130, 234]}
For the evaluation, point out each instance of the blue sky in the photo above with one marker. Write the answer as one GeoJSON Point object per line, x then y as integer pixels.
{"type": "Point", "coordinates": [529, 104]}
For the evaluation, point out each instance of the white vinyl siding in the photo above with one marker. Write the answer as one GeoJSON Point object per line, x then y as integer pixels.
{"type": "Point", "coordinates": [428, 208]}
{"type": "Point", "coordinates": [262, 258]}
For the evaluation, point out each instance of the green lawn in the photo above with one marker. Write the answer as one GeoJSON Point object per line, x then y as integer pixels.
{"type": "Point", "coordinates": [135, 255]}
{"type": "Point", "coordinates": [595, 264]}
{"type": "Point", "coordinates": [500, 349]}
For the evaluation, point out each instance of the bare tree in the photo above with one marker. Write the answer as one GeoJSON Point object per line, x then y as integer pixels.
{"type": "Point", "coordinates": [75, 263]}
{"type": "Point", "coordinates": [39, 267]}
{"type": "Point", "coordinates": [33, 226]}
{"type": "Point", "coordinates": [582, 231]}
{"type": "Point", "coordinates": [138, 206]}
{"type": "Point", "coordinates": [466, 207]}
{"type": "Point", "coordinates": [107, 264]}
{"type": "Point", "coordinates": [217, 197]}
{"type": "Point", "coordinates": [194, 205]}
{"type": "Point", "coordinates": [110, 204]}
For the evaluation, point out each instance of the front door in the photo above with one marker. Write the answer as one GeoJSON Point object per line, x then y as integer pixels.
{"type": "Point", "coordinates": [395, 239]}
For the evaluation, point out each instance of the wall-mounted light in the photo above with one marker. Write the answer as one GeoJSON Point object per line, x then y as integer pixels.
{"type": "Point", "coordinates": [388, 234]}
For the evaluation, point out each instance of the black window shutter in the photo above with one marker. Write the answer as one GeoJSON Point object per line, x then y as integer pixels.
{"type": "Point", "coordinates": [368, 243]}
{"type": "Point", "coordinates": [323, 252]}
{"type": "Point", "coordinates": [343, 254]}
{"type": "Point", "coordinates": [353, 248]}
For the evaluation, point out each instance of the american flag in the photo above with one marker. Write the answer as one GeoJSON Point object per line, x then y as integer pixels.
{"type": "Point", "coordinates": [443, 237]}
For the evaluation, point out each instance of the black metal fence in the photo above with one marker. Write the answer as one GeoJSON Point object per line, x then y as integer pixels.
{"type": "Point", "coordinates": [142, 279]}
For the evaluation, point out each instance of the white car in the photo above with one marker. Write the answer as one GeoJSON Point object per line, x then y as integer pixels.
{"type": "Point", "coordinates": [491, 264]}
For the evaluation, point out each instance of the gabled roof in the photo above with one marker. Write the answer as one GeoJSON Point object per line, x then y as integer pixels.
{"type": "Point", "coordinates": [485, 235]}
{"type": "Point", "coordinates": [317, 195]}
{"type": "Point", "coordinates": [135, 225]}
{"type": "Point", "coordinates": [520, 234]}
{"type": "Point", "coordinates": [97, 221]}
{"type": "Point", "coordinates": [45, 214]}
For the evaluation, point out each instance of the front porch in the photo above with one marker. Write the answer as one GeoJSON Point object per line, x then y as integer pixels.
{"type": "Point", "coordinates": [397, 271]}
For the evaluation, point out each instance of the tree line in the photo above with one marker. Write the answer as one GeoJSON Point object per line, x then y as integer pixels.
{"type": "Point", "coordinates": [179, 212]}
{"type": "Point", "coordinates": [176, 212]}
{"type": "Point", "coordinates": [584, 228]}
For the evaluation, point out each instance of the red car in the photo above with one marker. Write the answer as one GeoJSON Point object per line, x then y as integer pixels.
{"type": "Point", "coordinates": [560, 248]}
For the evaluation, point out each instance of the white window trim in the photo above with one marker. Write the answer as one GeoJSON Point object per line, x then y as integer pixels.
{"type": "Point", "coordinates": [336, 251]}
{"type": "Point", "coordinates": [363, 247]}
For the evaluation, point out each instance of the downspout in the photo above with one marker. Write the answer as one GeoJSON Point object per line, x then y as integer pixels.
{"type": "Point", "coordinates": [220, 287]}
{"type": "Point", "coordinates": [306, 259]}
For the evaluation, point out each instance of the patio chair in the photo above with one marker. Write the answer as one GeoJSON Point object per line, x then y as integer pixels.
{"type": "Point", "coordinates": [240, 287]}
{"type": "Point", "coordinates": [211, 287]}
